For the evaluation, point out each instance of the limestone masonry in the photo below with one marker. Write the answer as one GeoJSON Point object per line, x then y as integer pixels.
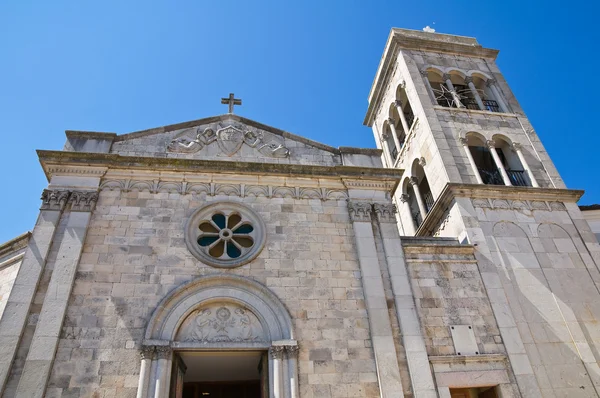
{"type": "Point", "coordinates": [225, 258]}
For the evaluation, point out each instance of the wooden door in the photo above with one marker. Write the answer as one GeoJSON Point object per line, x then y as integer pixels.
{"type": "Point", "coordinates": [177, 373]}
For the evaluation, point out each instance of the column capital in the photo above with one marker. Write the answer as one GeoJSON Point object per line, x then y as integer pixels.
{"type": "Point", "coordinates": [424, 73]}
{"type": "Point", "coordinates": [385, 212]}
{"type": "Point", "coordinates": [83, 200]}
{"type": "Point", "coordinates": [490, 82]}
{"type": "Point", "coordinates": [385, 135]}
{"type": "Point", "coordinates": [516, 146]}
{"type": "Point", "coordinates": [276, 351]}
{"type": "Point", "coordinates": [414, 181]}
{"type": "Point", "coordinates": [360, 211]}
{"type": "Point", "coordinates": [404, 198]}
{"type": "Point", "coordinates": [292, 350]}
{"type": "Point", "coordinates": [491, 143]}
{"type": "Point", "coordinates": [402, 84]}
{"type": "Point", "coordinates": [422, 161]}
{"type": "Point", "coordinates": [54, 199]}
{"type": "Point", "coordinates": [398, 103]}
{"type": "Point", "coordinates": [164, 352]}
{"type": "Point", "coordinates": [446, 76]}
{"type": "Point", "coordinates": [468, 80]}
{"type": "Point", "coordinates": [147, 352]}
{"type": "Point", "coordinates": [463, 141]}
{"type": "Point", "coordinates": [391, 121]}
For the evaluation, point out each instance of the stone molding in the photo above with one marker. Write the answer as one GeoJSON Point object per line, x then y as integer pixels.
{"type": "Point", "coordinates": [461, 359]}
{"type": "Point", "coordinates": [76, 170]}
{"type": "Point", "coordinates": [371, 184]}
{"type": "Point", "coordinates": [385, 212]}
{"type": "Point", "coordinates": [498, 196]}
{"type": "Point", "coordinates": [292, 351]}
{"type": "Point", "coordinates": [213, 189]}
{"type": "Point", "coordinates": [360, 211]}
{"type": "Point", "coordinates": [54, 199]}
{"type": "Point", "coordinates": [83, 200]}
{"type": "Point", "coordinates": [164, 352]}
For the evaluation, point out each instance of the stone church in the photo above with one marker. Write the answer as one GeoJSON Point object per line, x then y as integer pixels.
{"type": "Point", "coordinates": [225, 258]}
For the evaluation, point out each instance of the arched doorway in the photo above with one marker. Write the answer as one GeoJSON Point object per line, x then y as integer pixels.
{"type": "Point", "coordinates": [221, 335]}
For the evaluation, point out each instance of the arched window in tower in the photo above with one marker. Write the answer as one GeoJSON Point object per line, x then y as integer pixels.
{"type": "Point", "coordinates": [511, 162]}
{"type": "Point", "coordinates": [478, 87]}
{"type": "Point", "coordinates": [403, 109]}
{"type": "Point", "coordinates": [483, 159]}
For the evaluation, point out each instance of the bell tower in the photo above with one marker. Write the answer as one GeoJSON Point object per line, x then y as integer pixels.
{"type": "Point", "coordinates": [475, 170]}
{"type": "Point", "coordinates": [441, 110]}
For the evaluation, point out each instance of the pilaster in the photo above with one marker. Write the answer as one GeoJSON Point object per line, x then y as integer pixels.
{"type": "Point", "coordinates": [28, 277]}
{"type": "Point", "coordinates": [388, 372]}
{"type": "Point", "coordinates": [45, 339]}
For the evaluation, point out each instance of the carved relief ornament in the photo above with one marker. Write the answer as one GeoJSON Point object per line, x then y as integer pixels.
{"type": "Point", "coordinates": [230, 140]}
{"type": "Point", "coordinates": [517, 204]}
{"type": "Point", "coordinates": [360, 211]}
{"type": "Point", "coordinates": [54, 199]}
{"type": "Point", "coordinates": [385, 212]}
{"type": "Point", "coordinates": [83, 200]}
{"type": "Point", "coordinates": [218, 323]}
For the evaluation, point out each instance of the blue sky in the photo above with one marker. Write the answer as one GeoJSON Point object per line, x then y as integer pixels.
{"type": "Point", "coordinates": [305, 67]}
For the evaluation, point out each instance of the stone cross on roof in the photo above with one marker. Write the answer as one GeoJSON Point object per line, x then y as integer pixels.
{"type": "Point", "coordinates": [231, 101]}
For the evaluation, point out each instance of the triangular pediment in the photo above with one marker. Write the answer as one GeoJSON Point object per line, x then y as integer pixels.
{"type": "Point", "coordinates": [226, 137]}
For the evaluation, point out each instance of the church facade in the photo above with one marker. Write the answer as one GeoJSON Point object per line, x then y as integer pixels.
{"type": "Point", "coordinates": [225, 258]}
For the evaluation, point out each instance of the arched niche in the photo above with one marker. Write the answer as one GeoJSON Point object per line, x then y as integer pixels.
{"type": "Point", "coordinates": [198, 302]}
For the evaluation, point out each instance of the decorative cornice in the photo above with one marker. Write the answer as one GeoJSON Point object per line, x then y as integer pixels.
{"type": "Point", "coordinates": [360, 211]}
{"type": "Point", "coordinates": [230, 189]}
{"type": "Point", "coordinates": [76, 170]}
{"type": "Point", "coordinates": [497, 196]}
{"type": "Point", "coordinates": [83, 200]}
{"type": "Point", "coordinates": [50, 159]}
{"type": "Point", "coordinates": [370, 184]}
{"type": "Point", "coordinates": [385, 212]}
{"type": "Point", "coordinates": [54, 199]}
{"type": "Point", "coordinates": [15, 244]}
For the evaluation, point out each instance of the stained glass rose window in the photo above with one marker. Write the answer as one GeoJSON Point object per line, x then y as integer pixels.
{"type": "Point", "coordinates": [225, 234]}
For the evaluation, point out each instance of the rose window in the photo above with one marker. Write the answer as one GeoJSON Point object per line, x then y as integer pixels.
{"type": "Point", "coordinates": [225, 234]}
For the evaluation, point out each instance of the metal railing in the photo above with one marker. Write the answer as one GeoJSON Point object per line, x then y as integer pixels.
{"type": "Point", "coordinates": [489, 105]}
{"type": "Point", "coordinates": [428, 198]}
{"type": "Point", "coordinates": [491, 177]}
{"type": "Point", "coordinates": [394, 153]}
{"type": "Point", "coordinates": [517, 178]}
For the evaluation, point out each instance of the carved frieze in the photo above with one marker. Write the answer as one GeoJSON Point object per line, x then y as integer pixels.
{"type": "Point", "coordinates": [517, 204]}
{"type": "Point", "coordinates": [360, 211]}
{"type": "Point", "coordinates": [54, 199]}
{"type": "Point", "coordinates": [229, 139]}
{"type": "Point", "coordinates": [212, 189]}
{"type": "Point", "coordinates": [222, 323]}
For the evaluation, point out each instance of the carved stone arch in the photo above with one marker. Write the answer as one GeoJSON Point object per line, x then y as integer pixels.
{"type": "Point", "coordinates": [456, 71]}
{"type": "Point", "coordinates": [473, 72]}
{"type": "Point", "coordinates": [552, 230]}
{"type": "Point", "coordinates": [508, 229]}
{"type": "Point", "coordinates": [238, 291]}
{"type": "Point", "coordinates": [435, 69]}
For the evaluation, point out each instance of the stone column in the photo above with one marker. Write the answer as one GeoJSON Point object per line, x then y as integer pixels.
{"type": "Point", "coordinates": [404, 198]}
{"type": "Point", "coordinates": [519, 150]}
{"type": "Point", "coordinates": [428, 86]}
{"type": "Point", "coordinates": [492, 147]}
{"type": "Point", "coordinates": [276, 368]}
{"type": "Point", "coordinates": [398, 105]}
{"type": "Point", "coordinates": [422, 209]}
{"type": "Point", "coordinates": [465, 145]}
{"type": "Point", "coordinates": [469, 81]}
{"type": "Point", "coordinates": [410, 328]}
{"type": "Point", "coordinates": [386, 149]}
{"type": "Point", "coordinates": [491, 83]}
{"type": "Point", "coordinates": [448, 81]}
{"type": "Point", "coordinates": [47, 332]}
{"type": "Point", "coordinates": [394, 134]}
{"type": "Point", "coordinates": [147, 354]}
{"type": "Point", "coordinates": [163, 371]}
{"type": "Point", "coordinates": [25, 285]}
{"type": "Point", "coordinates": [386, 361]}
{"type": "Point", "coordinates": [291, 352]}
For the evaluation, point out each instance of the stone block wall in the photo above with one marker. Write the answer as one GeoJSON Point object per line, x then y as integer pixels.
{"type": "Point", "coordinates": [449, 291]}
{"type": "Point", "coordinates": [135, 254]}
